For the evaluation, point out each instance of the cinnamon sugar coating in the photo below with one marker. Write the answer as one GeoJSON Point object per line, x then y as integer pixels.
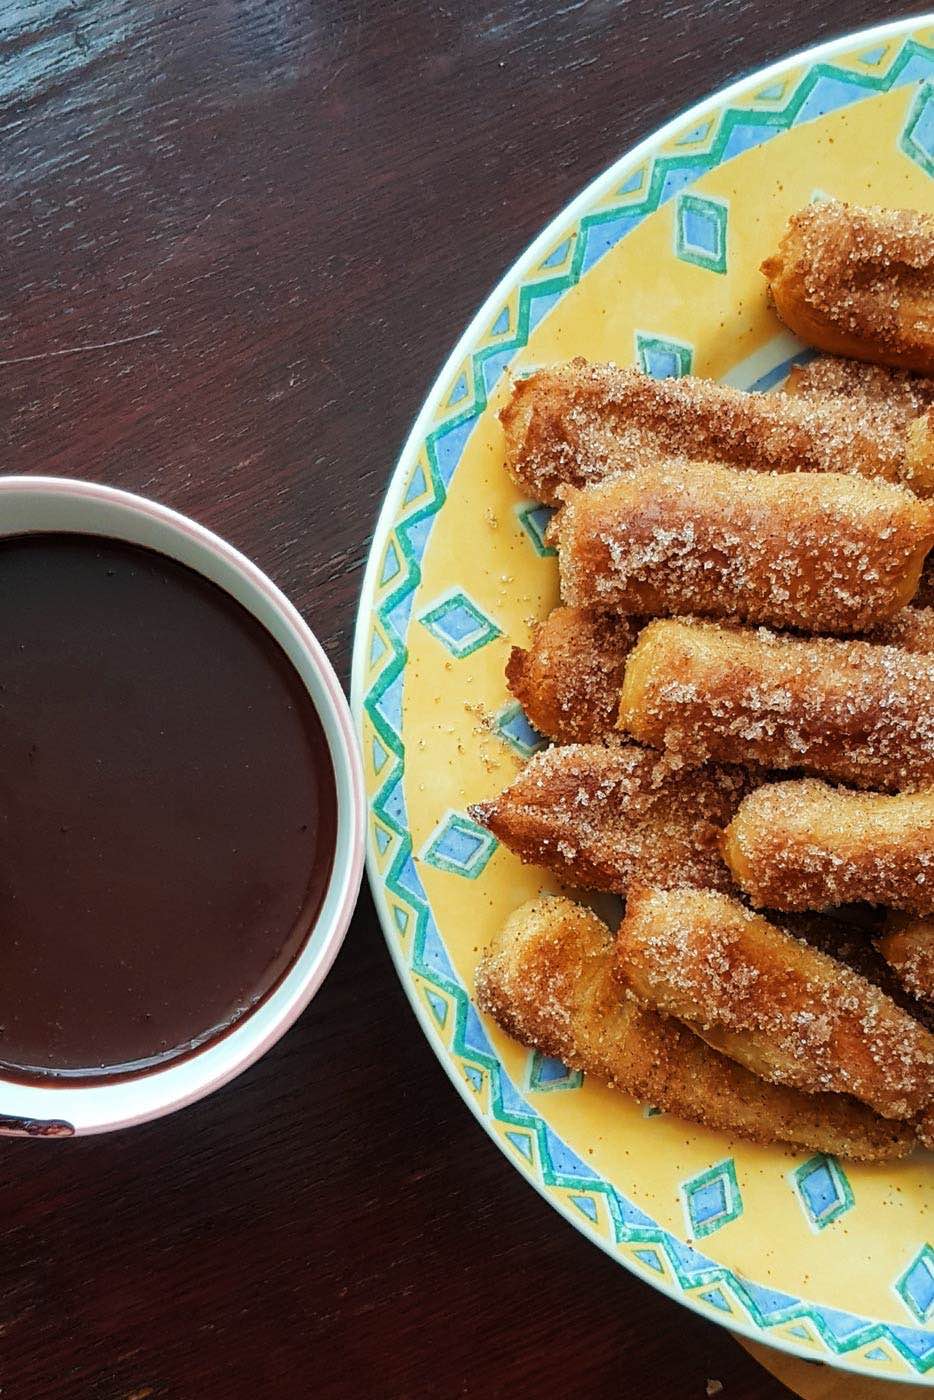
{"type": "Point", "coordinates": [599, 816]}
{"type": "Point", "coordinates": [806, 845]}
{"type": "Point", "coordinates": [911, 629]}
{"type": "Point", "coordinates": [828, 553]}
{"type": "Point", "coordinates": [689, 497]}
{"type": "Point", "coordinates": [907, 944]}
{"type": "Point", "coordinates": [858, 281]}
{"type": "Point", "coordinates": [569, 678]}
{"type": "Point", "coordinates": [548, 980]}
{"type": "Point", "coordinates": [830, 375]}
{"type": "Point", "coordinates": [576, 423]}
{"type": "Point", "coordinates": [783, 1009]}
{"type": "Point", "coordinates": [847, 710]}
{"type": "Point", "coordinates": [847, 934]}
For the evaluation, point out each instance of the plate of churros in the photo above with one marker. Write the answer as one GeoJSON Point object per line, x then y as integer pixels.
{"type": "Point", "coordinates": [644, 676]}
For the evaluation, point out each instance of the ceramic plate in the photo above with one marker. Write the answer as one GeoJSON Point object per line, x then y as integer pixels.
{"type": "Point", "coordinates": [656, 263]}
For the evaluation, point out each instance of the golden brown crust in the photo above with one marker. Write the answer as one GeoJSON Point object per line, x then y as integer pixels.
{"type": "Point", "coordinates": [805, 845]}
{"type": "Point", "coordinates": [599, 816]}
{"type": "Point", "coordinates": [575, 424]}
{"type": "Point", "coordinates": [847, 710]}
{"type": "Point", "coordinates": [831, 376]}
{"type": "Point", "coordinates": [919, 454]}
{"type": "Point", "coordinates": [847, 935]}
{"type": "Point", "coordinates": [907, 944]}
{"type": "Point", "coordinates": [858, 281]}
{"type": "Point", "coordinates": [911, 629]}
{"type": "Point", "coordinates": [829, 553]}
{"type": "Point", "coordinates": [548, 980]}
{"type": "Point", "coordinates": [786, 1011]}
{"type": "Point", "coordinates": [568, 681]}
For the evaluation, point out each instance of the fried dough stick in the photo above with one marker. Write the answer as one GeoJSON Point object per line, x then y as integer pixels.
{"type": "Point", "coordinates": [784, 1010]}
{"type": "Point", "coordinates": [805, 845]}
{"type": "Point", "coordinates": [858, 281]}
{"type": "Point", "coordinates": [840, 936]}
{"type": "Point", "coordinates": [912, 629]}
{"type": "Point", "coordinates": [908, 946]}
{"type": "Point", "coordinates": [599, 816]}
{"type": "Point", "coordinates": [852, 711]}
{"type": "Point", "coordinates": [829, 553]}
{"type": "Point", "coordinates": [569, 678]}
{"type": "Point", "coordinates": [830, 376]}
{"type": "Point", "coordinates": [577, 423]}
{"type": "Point", "coordinates": [548, 980]}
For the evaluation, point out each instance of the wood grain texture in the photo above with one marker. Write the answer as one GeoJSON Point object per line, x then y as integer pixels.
{"type": "Point", "coordinates": [239, 238]}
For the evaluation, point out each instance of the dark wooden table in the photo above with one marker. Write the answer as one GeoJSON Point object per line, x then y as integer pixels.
{"type": "Point", "coordinates": [239, 236]}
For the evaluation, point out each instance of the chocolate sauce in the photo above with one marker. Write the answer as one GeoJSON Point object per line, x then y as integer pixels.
{"type": "Point", "coordinates": [167, 809]}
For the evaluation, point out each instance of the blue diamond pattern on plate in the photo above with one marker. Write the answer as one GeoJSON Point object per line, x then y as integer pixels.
{"type": "Point", "coordinates": [534, 521]}
{"type": "Point", "coordinates": [586, 1205]}
{"type": "Point", "coordinates": [391, 564]}
{"type": "Point", "coordinates": [459, 391]}
{"type": "Point", "coordinates": [459, 846]}
{"type": "Point", "coordinates": [458, 624]}
{"type": "Point", "coordinates": [873, 57]}
{"type": "Point", "coordinates": [823, 1190]}
{"type": "Point", "coordinates": [663, 358]}
{"type": "Point", "coordinates": [501, 324]}
{"type": "Point", "coordinates": [916, 1285]}
{"type": "Point", "coordinates": [558, 255]}
{"type": "Point", "coordinates": [513, 725]}
{"type": "Point", "coordinates": [545, 1072]}
{"type": "Point", "coordinates": [697, 134]}
{"type": "Point", "coordinates": [712, 1199]}
{"type": "Point", "coordinates": [700, 231]}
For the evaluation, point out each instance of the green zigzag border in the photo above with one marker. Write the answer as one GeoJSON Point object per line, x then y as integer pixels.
{"type": "Point", "coordinates": [662, 166]}
{"type": "Point", "coordinates": [716, 1276]}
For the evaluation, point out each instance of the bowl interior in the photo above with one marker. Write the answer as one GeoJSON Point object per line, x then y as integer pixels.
{"type": "Point", "coordinates": [31, 504]}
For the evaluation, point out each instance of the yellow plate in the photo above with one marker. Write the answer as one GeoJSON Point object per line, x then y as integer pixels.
{"type": "Point", "coordinates": [655, 263]}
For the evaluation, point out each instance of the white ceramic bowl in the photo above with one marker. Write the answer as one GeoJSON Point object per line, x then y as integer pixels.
{"type": "Point", "coordinates": [28, 504]}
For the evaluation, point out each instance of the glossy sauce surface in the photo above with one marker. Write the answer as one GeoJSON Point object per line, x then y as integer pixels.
{"type": "Point", "coordinates": [167, 808]}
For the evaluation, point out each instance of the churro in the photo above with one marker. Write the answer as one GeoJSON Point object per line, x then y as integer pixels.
{"type": "Point", "coordinates": [569, 678]}
{"type": "Point", "coordinates": [831, 376]}
{"type": "Point", "coordinates": [805, 845]}
{"type": "Point", "coordinates": [575, 424]}
{"type": "Point", "coordinates": [858, 281]}
{"type": "Point", "coordinates": [847, 934]}
{"type": "Point", "coordinates": [907, 945]}
{"type": "Point", "coordinates": [789, 1013]}
{"type": "Point", "coordinates": [848, 710]}
{"type": "Point", "coordinates": [549, 981]}
{"type": "Point", "coordinates": [912, 629]}
{"type": "Point", "coordinates": [830, 553]}
{"type": "Point", "coordinates": [599, 816]}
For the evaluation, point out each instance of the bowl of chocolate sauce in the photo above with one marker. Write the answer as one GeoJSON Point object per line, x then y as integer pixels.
{"type": "Point", "coordinates": [181, 810]}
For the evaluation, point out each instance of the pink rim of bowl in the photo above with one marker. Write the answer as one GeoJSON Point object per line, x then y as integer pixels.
{"type": "Point", "coordinates": [29, 504]}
